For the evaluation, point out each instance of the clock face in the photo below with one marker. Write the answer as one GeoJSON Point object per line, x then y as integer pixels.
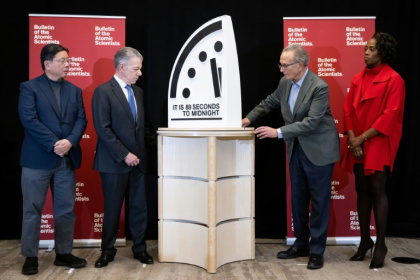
{"type": "Point", "coordinates": [205, 78]}
{"type": "Point", "coordinates": [216, 72]}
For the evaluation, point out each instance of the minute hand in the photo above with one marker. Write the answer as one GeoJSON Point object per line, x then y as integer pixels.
{"type": "Point", "coordinates": [215, 77]}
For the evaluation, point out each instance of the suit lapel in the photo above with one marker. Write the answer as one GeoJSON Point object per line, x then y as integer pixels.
{"type": "Point", "coordinates": [286, 99]}
{"type": "Point", "coordinates": [119, 94]}
{"type": "Point", "coordinates": [303, 91]}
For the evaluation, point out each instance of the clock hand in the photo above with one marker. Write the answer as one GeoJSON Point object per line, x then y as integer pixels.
{"type": "Point", "coordinates": [215, 77]}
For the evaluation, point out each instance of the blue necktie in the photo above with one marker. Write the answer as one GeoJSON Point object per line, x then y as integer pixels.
{"type": "Point", "coordinates": [131, 101]}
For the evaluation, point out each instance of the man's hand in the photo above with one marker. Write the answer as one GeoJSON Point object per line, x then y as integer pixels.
{"type": "Point", "coordinates": [266, 132]}
{"type": "Point", "coordinates": [62, 147]}
{"type": "Point", "coordinates": [245, 122]}
{"type": "Point", "coordinates": [131, 160]}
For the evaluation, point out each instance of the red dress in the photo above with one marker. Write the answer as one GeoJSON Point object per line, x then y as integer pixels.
{"type": "Point", "coordinates": [376, 99]}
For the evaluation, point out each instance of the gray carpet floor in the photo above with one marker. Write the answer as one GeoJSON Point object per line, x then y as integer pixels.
{"type": "Point", "coordinates": [265, 265]}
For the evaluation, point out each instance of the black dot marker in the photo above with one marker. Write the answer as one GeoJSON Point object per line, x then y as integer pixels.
{"type": "Point", "coordinates": [218, 46]}
{"type": "Point", "coordinates": [191, 72]}
{"type": "Point", "coordinates": [186, 93]}
{"type": "Point", "coordinates": [202, 56]}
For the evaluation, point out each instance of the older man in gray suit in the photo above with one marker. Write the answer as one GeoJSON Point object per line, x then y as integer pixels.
{"type": "Point", "coordinates": [312, 147]}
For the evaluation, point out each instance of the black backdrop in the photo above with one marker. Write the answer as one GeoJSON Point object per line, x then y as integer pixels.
{"type": "Point", "coordinates": [158, 29]}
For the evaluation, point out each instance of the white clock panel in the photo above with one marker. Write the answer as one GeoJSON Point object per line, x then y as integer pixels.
{"type": "Point", "coordinates": [204, 88]}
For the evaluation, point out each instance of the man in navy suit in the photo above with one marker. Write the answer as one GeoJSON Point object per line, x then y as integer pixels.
{"type": "Point", "coordinates": [52, 113]}
{"type": "Point", "coordinates": [312, 148]}
{"type": "Point", "coordinates": [120, 158]}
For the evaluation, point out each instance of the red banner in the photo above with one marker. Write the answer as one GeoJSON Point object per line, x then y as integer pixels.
{"type": "Point", "coordinates": [335, 46]}
{"type": "Point", "coordinates": [92, 42]}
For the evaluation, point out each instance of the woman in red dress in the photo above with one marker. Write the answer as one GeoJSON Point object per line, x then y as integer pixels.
{"type": "Point", "coordinates": [373, 115]}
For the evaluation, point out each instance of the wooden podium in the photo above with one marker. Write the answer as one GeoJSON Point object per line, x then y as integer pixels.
{"type": "Point", "coordinates": [206, 196]}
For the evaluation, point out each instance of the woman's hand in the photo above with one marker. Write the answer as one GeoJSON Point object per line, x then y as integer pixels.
{"type": "Point", "coordinates": [355, 141]}
{"type": "Point", "coordinates": [357, 152]}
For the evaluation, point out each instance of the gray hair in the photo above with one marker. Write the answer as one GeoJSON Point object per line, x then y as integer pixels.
{"type": "Point", "coordinates": [299, 53]}
{"type": "Point", "coordinates": [125, 54]}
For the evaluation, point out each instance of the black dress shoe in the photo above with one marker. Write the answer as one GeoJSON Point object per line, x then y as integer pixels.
{"type": "Point", "coordinates": [293, 252]}
{"type": "Point", "coordinates": [69, 260]}
{"type": "Point", "coordinates": [30, 266]}
{"type": "Point", "coordinates": [105, 258]}
{"type": "Point", "coordinates": [144, 257]}
{"type": "Point", "coordinates": [316, 261]}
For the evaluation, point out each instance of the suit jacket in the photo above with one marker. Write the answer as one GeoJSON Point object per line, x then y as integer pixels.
{"type": "Point", "coordinates": [311, 121]}
{"type": "Point", "coordinates": [44, 125]}
{"type": "Point", "coordinates": [117, 132]}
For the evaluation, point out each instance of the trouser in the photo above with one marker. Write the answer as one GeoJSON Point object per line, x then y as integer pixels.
{"type": "Point", "coordinates": [115, 186]}
{"type": "Point", "coordinates": [310, 184]}
{"type": "Point", "coordinates": [35, 184]}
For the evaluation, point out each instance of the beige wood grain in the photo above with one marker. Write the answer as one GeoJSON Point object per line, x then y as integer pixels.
{"type": "Point", "coordinates": [184, 243]}
{"type": "Point", "coordinates": [234, 156]}
{"type": "Point", "coordinates": [234, 241]}
{"type": "Point", "coordinates": [184, 199]}
{"type": "Point", "coordinates": [234, 198]}
{"type": "Point", "coordinates": [184, 157]}
{"type": "Point", "coordinates": [206, 196]}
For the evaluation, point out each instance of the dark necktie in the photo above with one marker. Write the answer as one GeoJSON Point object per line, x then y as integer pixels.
{"type": "Point", "coordinates": [131, 101]}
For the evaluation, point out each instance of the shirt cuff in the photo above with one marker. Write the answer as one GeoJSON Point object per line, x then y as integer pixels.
{"type": "Point", "coordinates": [279, 134]}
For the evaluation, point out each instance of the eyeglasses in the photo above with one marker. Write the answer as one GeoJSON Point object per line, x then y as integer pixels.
{"type": "Point", "coordinates": [63, 61]}
{"type": "Point", "coordinates": [284, 66]}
